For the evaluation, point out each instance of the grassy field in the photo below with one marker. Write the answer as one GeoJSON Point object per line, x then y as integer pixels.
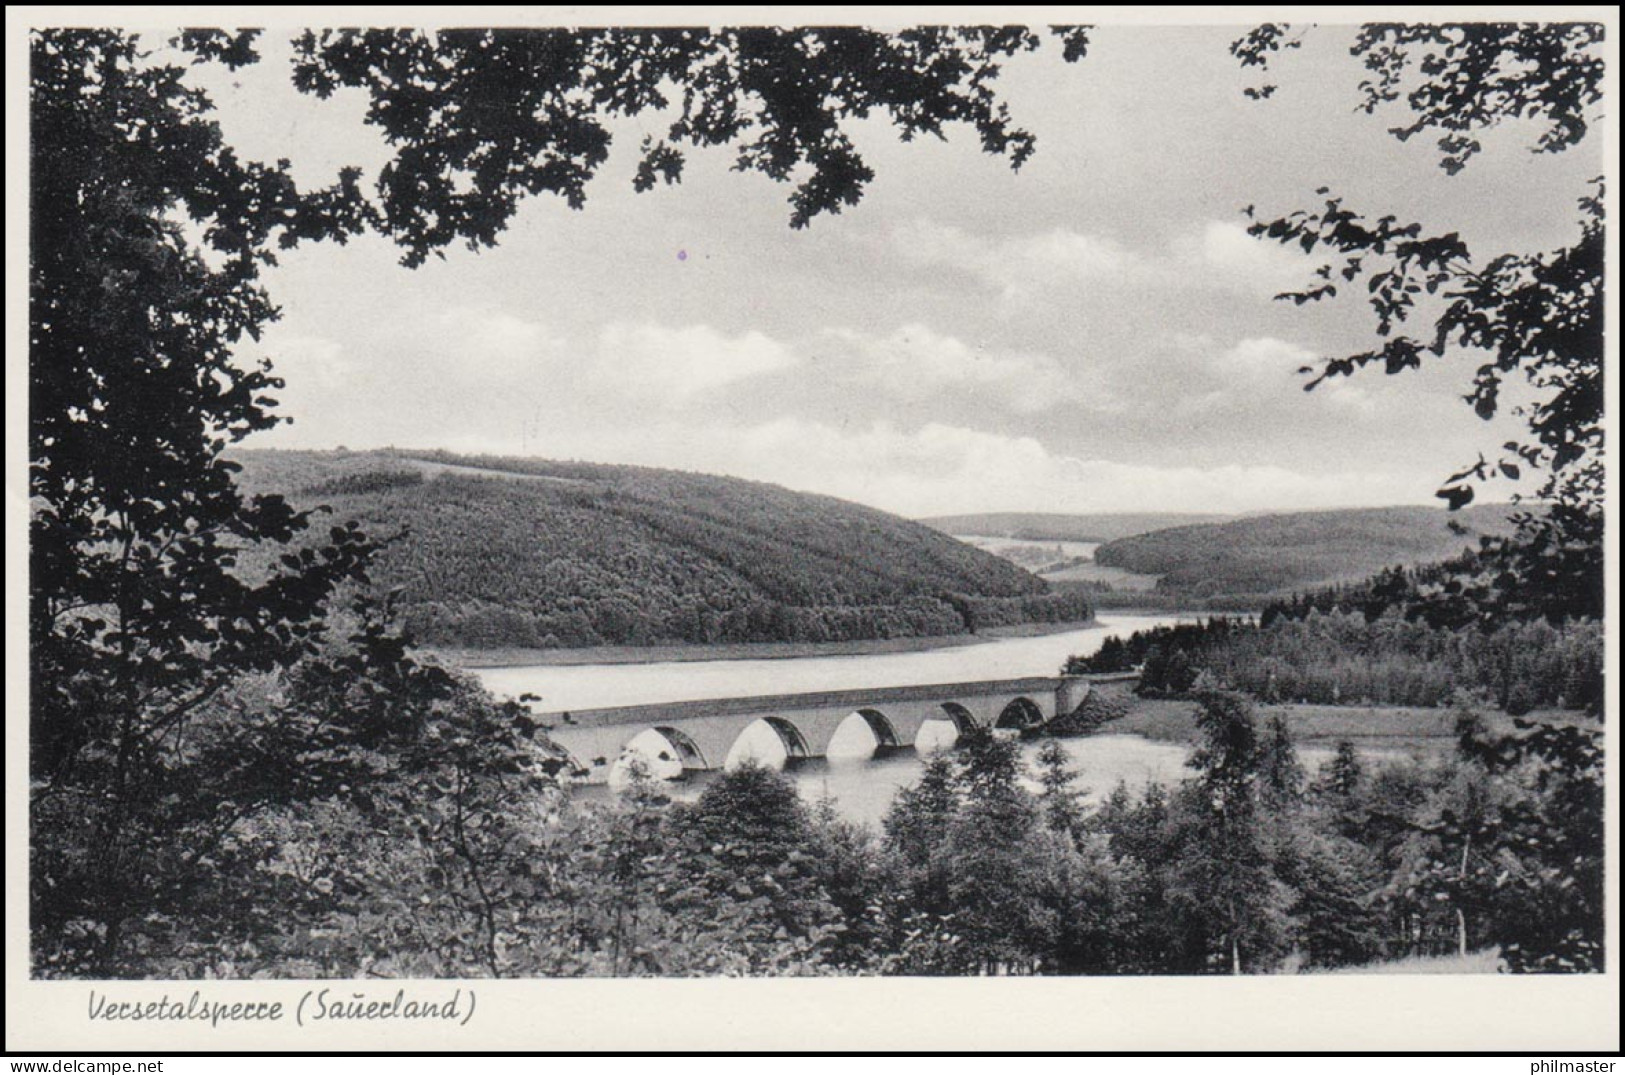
{"type": "Point", "coordinates": [1487, 961]}
{"type": "Point", "coordinates": [1115, 577]}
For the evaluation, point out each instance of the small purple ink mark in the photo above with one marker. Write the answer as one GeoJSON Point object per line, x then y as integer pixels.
{"type": "Point", "coordinates": [682, 255]}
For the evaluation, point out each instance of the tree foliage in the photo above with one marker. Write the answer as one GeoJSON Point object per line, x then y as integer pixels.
{"type": "Point", "coordinates": [195, 721]}
{"type": "Point", "coordinates": [595, 554]}
{"type": "Point", "coordinates": [479, 119]}
{"type": "Point", "coordinates": [159, 589]}
{"type": "Point", "coordinates": [1473, 77]}
{"type": "Point", "coordinates": [139, 615]}
{"type": "Point", "coordinates": [1341, 656]}
{"type": "Point", "coordinates": [234, 774]}
{"type": "Point", "coordinates": [1277, 553]}
{"type": "Point", "coordinates": [1533, 316]}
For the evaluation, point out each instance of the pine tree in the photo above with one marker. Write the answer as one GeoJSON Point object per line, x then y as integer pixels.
{"type": "Point", "coordinates": [1344, 773]}
{"type": "Point", "coordinates": [1234, 904]}
{"type": "Point", "coordinates": [1058, 798]}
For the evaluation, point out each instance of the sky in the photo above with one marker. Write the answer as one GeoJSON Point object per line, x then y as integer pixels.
{"type": "Point", "coordinates": [1094, 333]}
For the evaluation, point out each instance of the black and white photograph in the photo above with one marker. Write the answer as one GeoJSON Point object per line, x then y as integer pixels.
{"type": "Point", "coordinates": [994, 500]}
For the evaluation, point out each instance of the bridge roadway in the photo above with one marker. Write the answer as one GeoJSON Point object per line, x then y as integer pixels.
{"type": "Point", "coordinates": [703, 734]}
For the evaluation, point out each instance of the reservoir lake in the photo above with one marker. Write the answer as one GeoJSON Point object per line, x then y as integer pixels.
{"type": "Point", "coordinates": [860, 785]}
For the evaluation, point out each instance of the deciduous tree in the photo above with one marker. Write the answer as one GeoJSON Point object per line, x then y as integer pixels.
{"type": "Point", "coordinates": [1534, 316]}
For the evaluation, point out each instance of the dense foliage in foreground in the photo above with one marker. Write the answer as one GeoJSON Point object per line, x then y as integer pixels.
{"type": "Point", "coordinates": [530, 553]}
{"type": "Point", "coordinates": [220, 787]}
{"type": "Point", "coordinates": [1524, 813]}
{"type": "Point", "coordinates": [434, 839]}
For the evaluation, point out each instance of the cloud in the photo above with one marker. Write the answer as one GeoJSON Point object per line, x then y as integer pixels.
{"type": "Point", "coordinates": [938, 468]}
{"type": "Point", "coordinates": [313, 362]}
{"type": "Point", "coordinates": [942, 469]}
{"type": "Point", "coordinates": [484, 344]}
{"type": "Point", "coordinates": [1260, 364]}
{"type": "Point", "coordinates": [1020, 267]}
{"type": "Point", "coordinates": [1067, 253]}
{"type": "Point", "coordinates": [314, 369]}
{"type": "Point", "coordinates": [1265, 356]}
{"type": "Point", "coordinates": [1223, 255]}
{"type": "Point", "coordinates": [626, 361]}
{"type": "Point", "coordinates": [1345, 394]}
{"type": "Point", "coordinates": [915, 363]}
{"type": "Point", "coordinates": [496, 332]}
{"type": "Point", "coordinates": [683, 363]}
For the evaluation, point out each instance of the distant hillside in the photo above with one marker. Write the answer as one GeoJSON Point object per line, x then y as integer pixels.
{"type": "Point", "coordinates": [1275, 554]}
{"type": "Point", "coordinates": [1039, 526]}
{"type": "Point", "coordinates": [522, 552]}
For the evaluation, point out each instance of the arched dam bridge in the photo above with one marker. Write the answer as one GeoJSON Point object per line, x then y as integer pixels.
{"type": "Point", "coordinates": [707, 733]}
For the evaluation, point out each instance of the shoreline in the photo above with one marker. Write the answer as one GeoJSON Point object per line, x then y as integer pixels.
{"type": "Point", "coordinates": [1171, 720]}
{"type": "Point", "coordinates": [753, 651]}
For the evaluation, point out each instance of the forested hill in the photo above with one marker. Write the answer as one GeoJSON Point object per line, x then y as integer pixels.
{"type": "Point", "coordinates": [1049, 526]}
{"type": "Point", "coordinates": [1275, 554]}
{"type": "Point", "coordinates": [524, 552]}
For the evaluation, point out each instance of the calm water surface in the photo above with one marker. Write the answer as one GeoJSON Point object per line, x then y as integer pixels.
{"type": "Point", "coordinates": [1053, 549]}
{"type": "Point", "coordinates": [862, 789]}
{"type": "Point", "coordinates": [861, 786]}
{"type": "Point", "coordinates": [592, 686]}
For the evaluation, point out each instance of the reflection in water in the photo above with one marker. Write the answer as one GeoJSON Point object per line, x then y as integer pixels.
{"type": "Point", "coordinates": [862, 785]}
{"type": "Point", "coordinates": [860, 780]}
{"type": "Point", "coordinates": [936, 736]}
{"type": "Point", "coordinates": [854, 740]}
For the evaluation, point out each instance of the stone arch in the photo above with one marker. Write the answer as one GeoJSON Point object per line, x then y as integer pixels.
{"type": "Point", "coordinates": [795, 744]}
{"type": "Point", "coordinates": [748, 741]}
{"type": "Point", "coordinates": [962, 718]}
{"type": "Point", "coordinates": [1021, 713]}
{"type": "Point", "coordinates": [688, 752]}
{"type": "Point", "coordinates": [663, 753]}
{"type": "Point", "coordinates": [862, 733]}
{"type": "Point", "coordinates": [885, 735]}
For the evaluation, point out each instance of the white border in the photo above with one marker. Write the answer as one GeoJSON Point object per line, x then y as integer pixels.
{"type": "Point", "coordinates": [1356, 1013]}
